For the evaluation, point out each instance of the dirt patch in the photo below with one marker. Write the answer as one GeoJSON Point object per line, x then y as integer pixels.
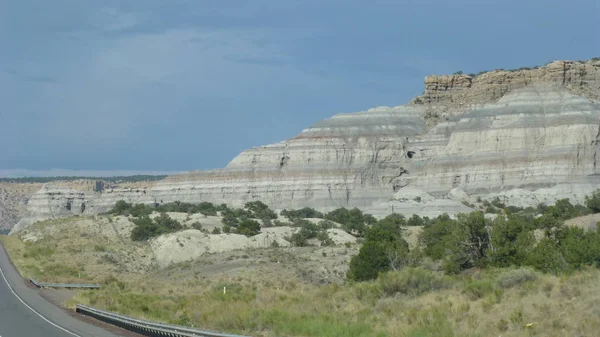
{"type": "Point", "coordinates": [587, 221]}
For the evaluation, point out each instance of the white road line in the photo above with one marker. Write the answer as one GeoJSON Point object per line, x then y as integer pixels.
{"type": "Point", "coordinates": [33, 310]}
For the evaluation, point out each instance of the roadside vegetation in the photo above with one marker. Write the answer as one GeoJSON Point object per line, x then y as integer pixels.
{"type": "Point", "coordinates": [523, 273]}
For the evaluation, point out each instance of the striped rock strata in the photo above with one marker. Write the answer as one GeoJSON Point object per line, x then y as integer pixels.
{"type": "Point", "coordinates": [530, 131]}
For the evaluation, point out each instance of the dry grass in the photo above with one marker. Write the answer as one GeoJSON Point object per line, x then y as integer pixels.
{"type": "Point", "coordinates": [272, 292]}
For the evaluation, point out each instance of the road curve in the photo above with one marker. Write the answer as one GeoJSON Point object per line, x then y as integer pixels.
{"type": "Point", "coordinates": [24, 313]}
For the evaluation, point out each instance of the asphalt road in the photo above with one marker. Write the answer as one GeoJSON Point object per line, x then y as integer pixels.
{"type": "Point", "coordinates": [24, 313]}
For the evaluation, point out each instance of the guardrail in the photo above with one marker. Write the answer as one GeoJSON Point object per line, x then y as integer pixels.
{"type": "Point", "coordinates": [64, 285]}
{"type": "Point", "coordinates": [144, 327]}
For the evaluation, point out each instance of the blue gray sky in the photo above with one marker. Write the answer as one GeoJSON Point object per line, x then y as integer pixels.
{"type": "Point", "coordinates": [177, 85]}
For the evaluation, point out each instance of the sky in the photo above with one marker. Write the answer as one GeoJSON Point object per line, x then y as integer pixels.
{"type": "Point", "coordinates": [161, 86]}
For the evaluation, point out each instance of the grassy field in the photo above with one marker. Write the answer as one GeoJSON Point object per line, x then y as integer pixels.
{"type": "Point", "coordinates": [269, 292]}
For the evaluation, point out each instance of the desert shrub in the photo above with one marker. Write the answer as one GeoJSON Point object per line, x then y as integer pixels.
{"type": "Point", "coordinates": [146, 228]}
{"type": "Point", "coordinates": [326, 224]}
{"type": "Point", "coordinates": [492, 210]}
{"type": "Point", "coordinates": [278, 223]}
{"type": "Point", "coordinates": [229, 219]}
{"type": "Point", "coordinates": [547, 257]}
{"type": "Point", "coordinates": [121, 208]}
{"type": "Point", "coordinates": [393, 222]}
{"type": "Point", "coordinates": [497, 203]}
{"type": "Point", "coordinates": [563, 210]}
{"type": "Point", "coordinates": [511, 240]}
{"type": "Point", "coordinates": [411, 281]}
{"type": "Point", "coordinates": [383, 250]}
{"type": "Point", "coordinates": [302, 213]}
{"type": "Point", "coordinates": [248, 228]}
{"type": "Point", "coordinates": [476, 289]}
{"type": "Point", "coordinates": [197, 225]}
{"type": "Point", "coordinates": [436, 238]}
{"type": "Point", "coordinates": [139, 210]}
{"type": "Point", "coordinates": [579, 247]}
{"type": "Point", "coordinates": [216, 230]}
{"type": "Point", "coordinates": [266, 223]}
{"type": "Point", "coordinates": [515, 277]}
{"type": "Point", "coordinates": [593, 201]}
{"type": "Point", "coordinates": [467, 244]}
{"type": "Point", "coordinates": [353, 221]}
{"type": "Point", "coordinates": [308, 230]}
{"type": "Point", "coordinates": [259, 210]}
{"type": "Point", "coordinates": [325, 239]}
{"type": "Point", "coordinates": [415, 220]}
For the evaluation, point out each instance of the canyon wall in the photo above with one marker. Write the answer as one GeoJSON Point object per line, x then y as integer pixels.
{"type": "Point", "coordinates": [531, 130]}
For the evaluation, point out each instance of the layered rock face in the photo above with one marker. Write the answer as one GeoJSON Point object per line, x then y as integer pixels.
{"type": "Point", "coordinates": [527, 130]}
{"type": "Point", "coordinates": [13, 202]}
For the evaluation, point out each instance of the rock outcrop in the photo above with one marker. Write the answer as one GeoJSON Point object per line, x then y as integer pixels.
{"type": "Point", "coordinates": [13, 202]}
{"type": "Point", "coordinates": [532, 130]}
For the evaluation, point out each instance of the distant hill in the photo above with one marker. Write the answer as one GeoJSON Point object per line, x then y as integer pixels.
{"type": "Point", "coordinates": [134, 178]}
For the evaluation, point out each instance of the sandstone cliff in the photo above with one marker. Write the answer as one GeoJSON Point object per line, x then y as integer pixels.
{"type": "Point", "coordinates": [533, 131]}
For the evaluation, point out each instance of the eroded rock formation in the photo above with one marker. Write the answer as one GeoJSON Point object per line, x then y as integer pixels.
{"type": "Point", "coordinates": [526, 130]}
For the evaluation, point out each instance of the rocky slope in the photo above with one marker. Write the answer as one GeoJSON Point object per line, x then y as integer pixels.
{"type": "Point", "coordinates": [527, 135]}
